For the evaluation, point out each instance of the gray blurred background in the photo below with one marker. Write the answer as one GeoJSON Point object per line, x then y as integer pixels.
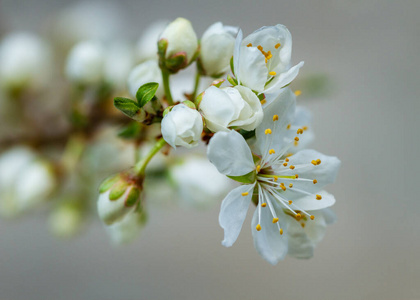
{"type": "Point", "coordinates": [369, 51]}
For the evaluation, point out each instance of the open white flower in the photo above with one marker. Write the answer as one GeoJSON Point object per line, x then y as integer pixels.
{"type": "Point", "coordinates": [182, 126]}
{"type": "Point", "coordinates": [230, 107]}
{"type": "Point", "coordinates": [279, 183]}
{"type": "Point", "coordinates": [262, 61]}
{"type": "Point", "coordinates": [216, 48]}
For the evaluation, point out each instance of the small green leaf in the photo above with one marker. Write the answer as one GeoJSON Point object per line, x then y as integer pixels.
{"type": "Point", "coordinates": [130, 131]}
{"type": "Point", "coordinates": [247, 178]}
{"type": "Point", "coordinates": [127, 106]}
{"type": "Point", "coordinates": [232, 66]}
{"type": "Point", "coordinates": [146, 93]}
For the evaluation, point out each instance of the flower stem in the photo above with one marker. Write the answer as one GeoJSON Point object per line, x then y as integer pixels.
{"type": "Point", "coordinates": [196, 84]}
{"type": "Point", "coordinates": [141, 165]}
{"type": "Point", "coordinates": [165, 79]}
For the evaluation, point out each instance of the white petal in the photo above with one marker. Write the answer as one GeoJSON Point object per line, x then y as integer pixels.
{"type": "Point", "coordinates": [230, 153]}
{"type": "Point", "coordinates": [284, 78]}
{"type": "Point", "coordinates": [233, 212]}
{"type": "Point", "coordinates": [316, 229]}
{"type": "Point", "coordinates": [329, 216]}
{"type": "Point", "coordinates": [237, 53]}
{"type": "Point", "coordinates": [282, 104]}
{"type": "Point", "coordinates": [310, 203]}
{"type": "Point", "coordinates": [268, 242]}
{"type": "Point", "coordinates": [303, 117]}
{"type": "Point", "coordinates": [300, 246]}
{"type": "Point", "coordinates": [253, 71]}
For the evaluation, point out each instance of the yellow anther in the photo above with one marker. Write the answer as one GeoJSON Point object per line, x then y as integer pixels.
{"type": "Point", "coordinates": [296, 139]}
{"type": "Point", "coordinates": [276, 178]}
{"type": "Point", "coordinates": [287, 159]}
{"type": "Point", "coordinates": [297, 176]}
{"type": "Point", "coordinates": [298, 92]}
{"type": "Point", "coordinates": [283, 187]}
{"type": "Point", "coordinates": [275, 117]}
{"type": "Point", "coordinates": [289, 154]}
{"type": "Point", "coordinates": [267, 131]}
{"type": "Point", "coordinates": [296, 143]}
{"type": "Point", "coordinates": [277, 46]}
{"type": "Point", "coordinates": [275, 220]}
{"type": "Point", "coordinates": [260, 48]}
{"type": "Point", "coordinates": [299, 131]}
{"type": "Point", "coordinates": [318, 161]}
{"type": "Point", "coordinates": [263, 204]}
{"type": "Point", "coordinates": [292, 167]}
{"type": "Point", "coordinates": [258, 168]}
{"type": "Point", "coordinates": [288, 126]}
{"type": "Point", "coordinates": [314, 162]}
{"type": "Point", "coordinates": [290, 185]}
{"type": "Point", "coordinates": [318, 197]}
{"type": "Point", "coordinates": [249, 45]}
{"type": "Point", "coordinates": [312, 217]}
{"type": "Point", "coordinates": [271, 151]}
{"type": "Point", "coordinates": [285, 164]}
{"type": "Point", "coordinates": [298, 216]}
{"type": "Point", "coordinates": [272, 73]}
{"type": "Point", "coordinates": [302, 224]}
{"type": "Point", "coordinates": [258, 227]}
{"type": "Point", "coordinates": [245, 194]}
{"type": "Point", "coordinates": [290, 202]}
{"type": "Point", "coordinates": [315, 181]}
{"type": "Point", "coordinates": [281, 231]}
{"type": "Point", "coordinates": [305, 128]}
{"type": "Point", "coordinates": [282, 183]}
{"type": "Point", "coordinates": [263, 101]}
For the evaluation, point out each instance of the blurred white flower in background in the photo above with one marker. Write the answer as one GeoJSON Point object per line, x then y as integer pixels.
{"type": "Point", "coordinates": [147, 44]}
{"type": "Point", "coordinates": [145, 72]}
{"type": "Point", "coordinates": [25, 61]}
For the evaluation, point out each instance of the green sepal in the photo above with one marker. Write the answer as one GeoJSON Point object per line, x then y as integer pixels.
{"type": "Point", "coordinates": [130, 131]}
{"type": "Point", "coordinates": [146, 92]}
{"type": "Point", "coordinates": [232, 65]}
{"type": "Point", "coordinates": [108, 183]}
{"type": "Point", "coordinates": [247, 134]}
{"type": "Point", "coordinates": [232, 80]}
{"type": "Point", "coordinates": [176, 62]}
{"type": "Point", "coordinates": [162, 46]}
{"type": "Point", "coordinates": [247, 178]}
{"type": "Point", "coordinates": [132, 197]}
{"type": "Point", "coordinates": [198, 99]}
{"type": "Point", "coordinates": [189, 104]}
{"type": "Point", "coordinates": [218, 82]}
{"type": "Point", "coordinates": [118, 190]}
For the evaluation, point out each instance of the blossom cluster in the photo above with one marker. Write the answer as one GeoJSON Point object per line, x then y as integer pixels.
{"type": "Point", "coordinates": [241, 108]}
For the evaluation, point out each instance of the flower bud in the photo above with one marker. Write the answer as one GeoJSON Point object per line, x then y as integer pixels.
{"type": "Point", "coordinates": [128, 229]}
{"type": "Point", "coordinates": [25, 181]}
{"type": "Point", "coordinates": [231, 107]}
{"type": "Point", "coordinates": [177, 45]}
{"type": "Point", "coordinates": [143, 73]}
{"type": "Point", "coordinates": [216, 49]}
{"type": "Point", "coordinates": [119, 195]}
{"type": "Point", "coordinates": [182, 126]}
{"type": "Point", "coordinates": [25, 61]}
{"type": "Point", "coordinates": [85, 63]}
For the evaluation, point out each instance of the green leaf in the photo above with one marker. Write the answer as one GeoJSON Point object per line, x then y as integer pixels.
{"type": "Point", "coordinates": [130, 131]}
{"type": "Point", "coordinates": [146, 93]}
{"type": "Point", "coordinates": [127, 106]}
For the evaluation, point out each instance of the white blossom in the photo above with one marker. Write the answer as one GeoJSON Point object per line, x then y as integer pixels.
{"type": "Point", "coordinates": [143, 73]}
{"type": "Point", "coordinates": [231, 107]}
{"type": "Point", "coordinates": [182, 126]}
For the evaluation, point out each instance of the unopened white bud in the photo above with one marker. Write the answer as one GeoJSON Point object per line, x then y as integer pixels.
{"type": "Point", "coordinates": [119, 195]}
{"type": "Point", "coordinates": [182, 126]}
{"type": "Point", "coordinates": [231, 107]}
{"type": "Point", "coordinates": [180, 44]}
{"type": "Point", "coordinates": [25, 61]}
{"type": "Point", "coordinates": [85, 63]}
{"type": "Point", "coordinates": [216, 49]}
{"type": "Point", "coordinates": [127, 229]}
{"type": "Point", "coordinates": [144, 73]}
